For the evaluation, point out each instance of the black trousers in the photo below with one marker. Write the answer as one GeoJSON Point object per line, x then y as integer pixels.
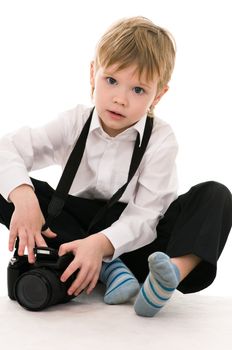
{"type": "Point", "coordinates": [197, 222]}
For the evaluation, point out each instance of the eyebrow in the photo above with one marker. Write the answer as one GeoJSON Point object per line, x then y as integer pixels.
{"type": "Point", "coordinates": [144, 84]}
{"type": "Point", "coordinates": [108, 73]}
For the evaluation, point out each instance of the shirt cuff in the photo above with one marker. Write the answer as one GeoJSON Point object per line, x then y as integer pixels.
{"type": "Point", "coordinates": [125, 240]}
{"type": "Point", "coordinates": [19, 176]}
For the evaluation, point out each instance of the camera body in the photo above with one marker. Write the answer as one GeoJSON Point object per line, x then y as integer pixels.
{"type": "Point", "coordinates": [37, 286]}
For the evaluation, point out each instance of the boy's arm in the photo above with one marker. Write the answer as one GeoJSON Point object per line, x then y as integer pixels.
{"type": "Point", "coordinates": [26, 221]}
{"type": "Point", "coordinates": [156, 189]}
{"type": "Point", "coordinates": [29, 149]}
{"type": "Point", "coordinates": [25, 150]}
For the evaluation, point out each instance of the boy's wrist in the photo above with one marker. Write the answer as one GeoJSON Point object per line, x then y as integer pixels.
{"type": "Point", "coordinates": [17, 194]}
{"type": "Point", "coordinates": [105, 244]}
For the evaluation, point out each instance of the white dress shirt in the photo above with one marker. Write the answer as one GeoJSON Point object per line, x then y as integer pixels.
{"type": "Point", "coordinates": [103, 169]}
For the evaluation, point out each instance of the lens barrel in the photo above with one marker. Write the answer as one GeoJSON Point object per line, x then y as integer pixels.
{"type": "Point", "coordinates": [37, 289]}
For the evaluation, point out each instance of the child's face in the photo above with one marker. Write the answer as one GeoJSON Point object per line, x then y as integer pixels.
{"type": "Point", "coordinates": [121, 98]}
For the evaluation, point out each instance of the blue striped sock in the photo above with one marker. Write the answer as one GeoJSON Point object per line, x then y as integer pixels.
{"type": "Point", "coordinates": [159, 286]}
{"type": "Point", "coordinates": [121, 284]}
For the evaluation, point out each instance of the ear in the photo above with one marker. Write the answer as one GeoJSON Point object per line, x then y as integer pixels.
{"type": "Point", "coordinates": [92, 75]}
{"type": "Point", "coordinates": [160, 95]}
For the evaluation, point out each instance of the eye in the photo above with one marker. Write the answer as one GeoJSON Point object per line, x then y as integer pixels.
{"type": "Point", "coordinates": [138, 90]}
{"type": "Point", "coordinates": [111, 80]}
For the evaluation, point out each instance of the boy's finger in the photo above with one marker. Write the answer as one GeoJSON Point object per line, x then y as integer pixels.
{"type": "Point", "coordinates": [12, 238]}
{"type": "Point", "coordinates": [48, 233]}
{"type": "Point", "coordinates": [79, 281]}
{"type": "Point", "coordinates": [92, 285]}
{"type": "Point", "coordinates": [65, 248]}
{"type": "Point", "coordinates": [30, 248]}
{"type": "Point", "coordinates": [39, 240]}
{"type": "Point", "coordinates": [72, 267]}
{"type": "Point", "coordinates": [83, 286]}
{"type": "Point", "coordinates": [22, 241]}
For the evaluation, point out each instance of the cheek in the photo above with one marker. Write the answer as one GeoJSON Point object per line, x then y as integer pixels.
{"type": "Point", "coordinates": [141, 105]}
{"type": "Point", "coordinates": [101, 92]}
{"type": "Point", "coordinates": [99, 97]}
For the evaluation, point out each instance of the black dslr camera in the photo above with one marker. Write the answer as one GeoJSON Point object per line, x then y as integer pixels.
{"type": "Point", "coordinates": [38, 285]}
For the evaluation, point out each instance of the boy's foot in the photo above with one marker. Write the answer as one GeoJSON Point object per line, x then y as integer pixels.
{"type": "Point", "coordinates": [159, 286]}
{"type": "Point", "coordinates": [121, 285]}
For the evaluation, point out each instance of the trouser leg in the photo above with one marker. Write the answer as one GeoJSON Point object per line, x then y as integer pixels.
{"type": "Point", "coordinates": [198, 222]}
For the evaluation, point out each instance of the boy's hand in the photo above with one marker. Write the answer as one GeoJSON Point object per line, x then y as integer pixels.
{"type": "Point", "coordinates": [26, 222]}
{"type": "Point", "coordinates": [88, 254]}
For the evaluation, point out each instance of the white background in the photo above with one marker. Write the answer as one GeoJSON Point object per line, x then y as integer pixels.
{"type": "Point", "coordinates": [46, 47]}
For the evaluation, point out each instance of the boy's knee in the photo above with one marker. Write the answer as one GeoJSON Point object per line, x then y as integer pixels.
{"type": "Point", "coordinates": [214, 190]}
{"type": "Point", "coordinates": [219, 189]}
{"type": "Point", "coordinates": [215, 185]}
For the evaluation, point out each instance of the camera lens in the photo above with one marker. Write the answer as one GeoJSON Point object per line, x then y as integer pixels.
{"type": "Point", "coordinates": [38, 289]}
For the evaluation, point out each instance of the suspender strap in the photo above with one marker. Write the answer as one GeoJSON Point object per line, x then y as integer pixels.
{"type": "Point", "coordinates": [58, 199]}
{"type": "Point", "coordinates": [61, 193]}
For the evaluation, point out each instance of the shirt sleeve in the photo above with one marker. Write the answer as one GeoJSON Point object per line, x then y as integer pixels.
{"type": "Point", "coordinates": [156, 189]}
{"type": "Point", "coordinates": [29, 149]}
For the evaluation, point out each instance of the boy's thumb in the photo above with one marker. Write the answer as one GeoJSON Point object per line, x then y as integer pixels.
{"type": "Point", "coordinates": [48, 233]}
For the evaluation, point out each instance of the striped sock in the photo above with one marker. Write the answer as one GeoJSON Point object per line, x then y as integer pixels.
{"type": "Point", "coordinates": [121, 285]}
{"type": "Point", "coordinates": [159, 286]}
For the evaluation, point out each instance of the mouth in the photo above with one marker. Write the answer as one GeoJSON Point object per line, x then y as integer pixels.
{"type": "Point", "coordinates": [115, 115]}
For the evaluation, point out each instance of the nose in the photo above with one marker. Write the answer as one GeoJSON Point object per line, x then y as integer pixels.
{"type": "Point", "coordinates": [120, 98]}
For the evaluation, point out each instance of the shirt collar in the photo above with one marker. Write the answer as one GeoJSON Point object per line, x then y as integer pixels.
{"type": "Point", "coordinates": [129, 133]}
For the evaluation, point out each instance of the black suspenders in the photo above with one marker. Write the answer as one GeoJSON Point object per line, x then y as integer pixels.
{"type": "Point", "coordinates": [61, 193]}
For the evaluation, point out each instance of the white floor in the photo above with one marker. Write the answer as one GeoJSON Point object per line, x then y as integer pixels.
{"type": "Point", "coordinates": [187, 322]}
{"type": "Point", "coordinates": [197, 321]}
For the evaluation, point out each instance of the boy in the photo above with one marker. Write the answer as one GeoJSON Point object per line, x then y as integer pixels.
{"type": "Point", "coordinates": [132, 67]}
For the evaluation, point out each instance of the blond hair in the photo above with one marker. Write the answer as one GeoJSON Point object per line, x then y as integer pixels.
{"type": "Point", "coordinates": [137, 40]}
